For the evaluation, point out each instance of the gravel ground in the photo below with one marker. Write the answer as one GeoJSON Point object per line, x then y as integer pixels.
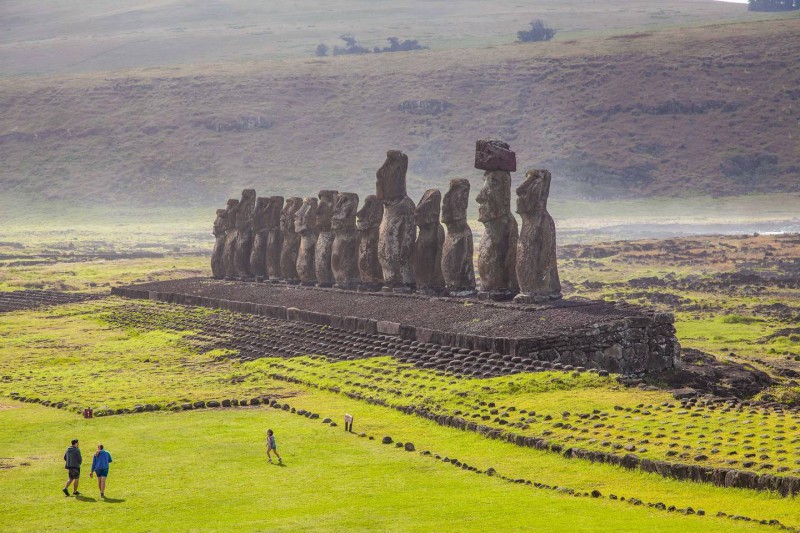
{"type": "Point", "coordinates": [444, 314]}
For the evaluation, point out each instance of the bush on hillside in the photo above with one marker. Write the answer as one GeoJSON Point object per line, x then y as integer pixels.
{"type": "Point", "coordinates": [351, 46]}
{"type": "Point", "coordinates": [773, 5]}
{"type": "Point", "coordinates": [395, 45]}
{"type": "Point", "coordinates": [538, 32]}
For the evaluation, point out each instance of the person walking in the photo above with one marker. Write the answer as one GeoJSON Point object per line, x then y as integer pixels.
{"type": "Point", "coordinates": [100, 467]}
{"type": "Point", "coordinates": [73, 460]}
{"type": "Point", "coordinates": [272, 447]}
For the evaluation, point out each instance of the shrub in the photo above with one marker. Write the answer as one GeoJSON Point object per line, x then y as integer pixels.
{"type": "Point", "coordinates": [351, 46]}
{"type": "Point", "coordinates": [322, 50]}
{"type": "Point", "coordinates": [538, 32]}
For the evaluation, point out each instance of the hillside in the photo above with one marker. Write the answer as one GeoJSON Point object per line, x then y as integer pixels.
{"type": "Point", "coordinates": [671, 112]}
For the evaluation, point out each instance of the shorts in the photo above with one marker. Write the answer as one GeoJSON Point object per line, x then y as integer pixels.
{"type": "Point", "coordinates": [74, 473]}
{"type": "Point", "coordinates": [101, 472]}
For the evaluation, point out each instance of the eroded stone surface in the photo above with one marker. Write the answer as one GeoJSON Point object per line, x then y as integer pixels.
{"type": "Point", "coordinates": [229, 248]}
{"type": "Point", "coordinates": [430, 239]}
{"type": "Point", "coordinates": [244, 232]}
{"type": "Point", "coordinates": [322, 254]}
{"type": "Point", "coordinates": [398, 229]}
{"type": "Point", "coordinates": [275, 238]}
{"type": "Point", "coordinates": [537, 265]}
{"type": "Point", "coordinates": [457, 269]}
{"type": "Point", "coordinates": [305, 224]}
{"type": "Point", "coordinates": [291, 239]}
{"type": "Point", "coordinates": [217, 267]}
{"type": "Point", "coordinates": [368, 221]}
{"type": "Point", "coordinates": [497, 252]}
{"type": "Point", "coordinates": [492, 154]}
{"type": "Point", "coordinates": [258, 253]}
{"type": "Point", "coordinates": [344, 253]}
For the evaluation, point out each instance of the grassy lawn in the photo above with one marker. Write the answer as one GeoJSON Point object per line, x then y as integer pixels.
{"type": "Point", "coordinates": [206, 471]}
{"type": "Point", "coordinates": [75, 354]}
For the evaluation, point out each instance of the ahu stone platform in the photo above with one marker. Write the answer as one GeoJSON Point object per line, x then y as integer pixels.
{"type": "Point", "coordinates": [618, 338]}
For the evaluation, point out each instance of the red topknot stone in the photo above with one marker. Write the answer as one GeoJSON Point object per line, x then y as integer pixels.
{"type": "Point", "coordinates": [492, 154]}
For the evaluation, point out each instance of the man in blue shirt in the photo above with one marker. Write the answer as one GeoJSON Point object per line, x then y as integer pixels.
{"type": "Point", "coordinates": [100, 467]}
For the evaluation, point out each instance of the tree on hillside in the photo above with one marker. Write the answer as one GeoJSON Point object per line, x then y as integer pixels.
{"type": "Point", "coordinates": [351, 46]}
{"type": "Point", "coordinates": [538, 32]}
{"type": "Point", "coordinates": [322, 50]}
{"type": "Point", "coordinates": [396, 45]}
{"type": "Point", "coordinates": [773, 5]}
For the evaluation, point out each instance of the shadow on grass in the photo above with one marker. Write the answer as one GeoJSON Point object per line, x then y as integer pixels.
{"type": "Point", "coordinates": [82, 498]}
{"type": "Point", "coordinates": [113, 500]}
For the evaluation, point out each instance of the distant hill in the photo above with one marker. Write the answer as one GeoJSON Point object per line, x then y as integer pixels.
{"type": "Point", "coordinates": [711, 109]}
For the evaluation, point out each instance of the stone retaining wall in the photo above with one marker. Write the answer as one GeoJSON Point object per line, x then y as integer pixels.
{"type": "Point", "coordinates": [633, 345]}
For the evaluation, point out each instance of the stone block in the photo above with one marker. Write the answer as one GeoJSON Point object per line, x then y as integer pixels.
{"type": "Point", "coordinates": [492, 154]}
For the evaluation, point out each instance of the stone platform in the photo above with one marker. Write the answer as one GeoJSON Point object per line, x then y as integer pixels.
{"type": "Point", "coordinates": [615, 337]}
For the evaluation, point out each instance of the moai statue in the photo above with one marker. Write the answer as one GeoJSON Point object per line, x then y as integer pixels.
{"type": "Point", "coordinates": [430, 239]}
{"type": "Point", "coordinates": [369, 221]}
{"type": "Point", "coordinates": [497, 253]}
{"type": "Point", "coordinates": [324, 248]}
{"type": "Point", "coordinates": [457, 269]}
{"type": "Point", "coordinates": [244, 233]}
{"type": "Point", "coordinates": [275, 239]}
{"type": "Point", "coordinates": [217, 268]}
{"type": "Point", "coordinates": [305, 224]}
{"type": "Point", "coordinates": [537, 265]}
{"type": "Point", "coordinates": [344, 253]}
{"type": "Point", "coordinates": [398, 230]}
{"type": "Point", "coordinates": [258, 265]}
{"type": "Point", "coordinates": [291, 240]}
{"type": "Point", "coordinates": [229, 248]}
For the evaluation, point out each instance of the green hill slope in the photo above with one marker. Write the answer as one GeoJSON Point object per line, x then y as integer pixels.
{"type": "Point", "coordinates": [681, 111]}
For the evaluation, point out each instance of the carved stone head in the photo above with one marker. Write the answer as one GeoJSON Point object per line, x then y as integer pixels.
{"type": "Point", "coordinates": [219, 222]}
{"type": "Point", "coordinates": [391, 184]}
{"type": "Point", "coordinates": [306, 217]}
{"type": "Point", "coordinates": [248, 201]}
{"type": "Point", "coordinates": [230, 218]}
{"type": "Point", "coordinates": [290, 208]}
{"type": "Point", "coordinates": [260, 213]}
{"type": "Point", "coordinates": [429, 207]}
{"type": "Point", "coordinates": [344, 210]}
{"type": "Point", "coordinates": [456, 201]}
{"type": "Point", "coordinates": [370, 214]}
{"type": "Point", "coordinates": [325, 210]}
{"type": "Point", "coordinates": [494, 198]}
{"type": "Point", "coordinates": [274, 212]}
{"type": "Point", "coordinates": [532, 194]}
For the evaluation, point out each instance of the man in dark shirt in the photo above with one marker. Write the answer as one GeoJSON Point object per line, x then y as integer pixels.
{"type": "Point", "coordinates": [73, 462]}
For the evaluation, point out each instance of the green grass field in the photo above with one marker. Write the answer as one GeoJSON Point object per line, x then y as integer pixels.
{"type": "Point", "coordinates": [207, 471]}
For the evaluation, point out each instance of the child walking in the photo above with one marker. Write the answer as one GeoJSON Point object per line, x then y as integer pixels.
{"type": "Point", "coordinates": [272, 447]}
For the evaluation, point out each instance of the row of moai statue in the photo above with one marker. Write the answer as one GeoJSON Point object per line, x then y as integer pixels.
{"type": "Point", "coordinates": [390, 244]}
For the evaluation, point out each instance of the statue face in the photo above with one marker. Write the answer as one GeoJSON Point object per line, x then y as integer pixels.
{"type": "Point", "coordinates": [325, 210]}
{"type": "Point", "coordinates": [290, 209]}
{"type": "Point", "coordinates": [370, 214]}
{"type": "Point", "coordinates": [391, 184]}
{"type": "Point", "coordinates": [494, 199]}
{"type": "Point", "coordinates": [344, 210]}
{"type": "Point", "coordinates": [274, 212]}
{"type": "Point", "coordinates": [306, 217]}
{"type": "Point", "coordinates": [532, 194]}
{"type": "Point", "coordinates": [456, 201]}
{"type": "Point", "coordinates": [429, 207]}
